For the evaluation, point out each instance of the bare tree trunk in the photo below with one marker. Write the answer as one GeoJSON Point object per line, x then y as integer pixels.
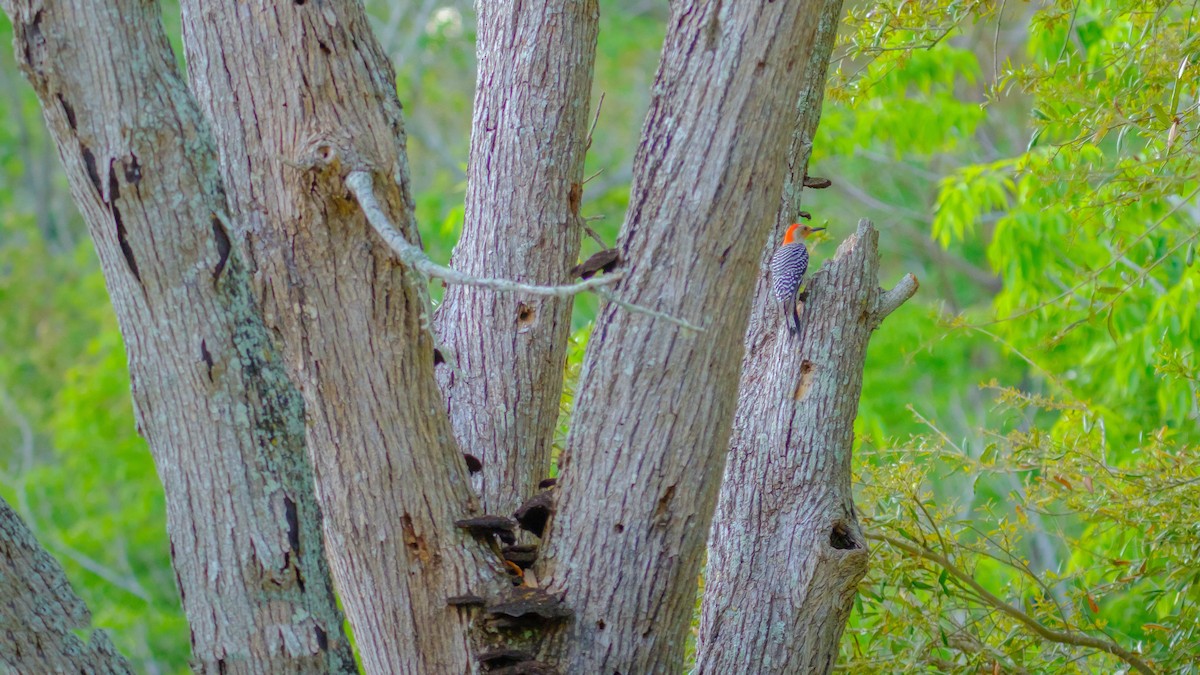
{"type": "Point", "coordinates": [651, 426]}
{"type": "Point", "coordinates": [522, 222]}
{"type": "Point", "coordinates": [786, 552]}
{"type": "Point", "coordinates": [298, 95]}
{"type": "Point", "coordinates": [221, 417]}
{"type": "Point", "coordinates": [40, 613]}
{"type": "Point", "coordinates": [774, 601]}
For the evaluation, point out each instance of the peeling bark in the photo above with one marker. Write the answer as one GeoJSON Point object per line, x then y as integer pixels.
{"type": "Point", "coordinates": [524, 184]}
{"type": "Point", "coordinates": [222, 418]}
{"type": "Point", "coordinates": [653, 415]}
{"type": "Point", "coordinates": [40, 613]}
{"type": "Point", "coordinates": [299, 95]}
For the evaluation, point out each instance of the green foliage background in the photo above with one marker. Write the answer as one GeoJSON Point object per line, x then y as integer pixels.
{"type": "Point", "coordinates": [1027, 462]}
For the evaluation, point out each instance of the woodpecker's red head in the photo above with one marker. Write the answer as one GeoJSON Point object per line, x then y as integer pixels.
{"type": "Point", "coordinates": [798, 230]}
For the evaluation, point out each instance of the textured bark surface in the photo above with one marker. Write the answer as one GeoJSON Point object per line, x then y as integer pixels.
{"type": "Point", "coordinates": [652, 418]}
{"type": "Point", "coordinates": [40, 613]}
{"type": "Point", "coordinates": [224, 422]}
{"type": "Point", "coordinates": [298, 94]}
{"type": "Point", "coordinates": [506, 350]}
{"type": "Point", "coordinates": [787, 552]}
{"type": "Point", "coordinates": [778, 586]}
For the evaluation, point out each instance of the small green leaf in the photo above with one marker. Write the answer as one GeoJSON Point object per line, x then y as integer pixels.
{"type": "Point", "coordinates": [1037, 133]}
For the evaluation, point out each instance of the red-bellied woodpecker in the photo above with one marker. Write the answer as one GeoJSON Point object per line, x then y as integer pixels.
{"type": "Point", "coordinates": [788, 266]}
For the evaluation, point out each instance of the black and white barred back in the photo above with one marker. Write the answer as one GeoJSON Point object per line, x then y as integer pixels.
{"type": "Point", "coordinates": [788, 266]}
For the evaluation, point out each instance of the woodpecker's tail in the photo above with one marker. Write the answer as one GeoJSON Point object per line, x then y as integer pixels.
{"type": "Point", "coordinates": [793, 318]}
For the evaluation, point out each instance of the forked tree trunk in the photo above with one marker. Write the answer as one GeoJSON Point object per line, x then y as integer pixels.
{"type": "Point", "coordinates": [224, 422]}
{"type": "Point", "coordinates": [40, 613]}
{"type": "Point", "coordinates": [652, 418]}
{"type": "Point", "coordinates": [299, 94]}
{"type": "Point", "coordinates": [223, 313]}
{"type": "Point", "coordinates": [505, 351]}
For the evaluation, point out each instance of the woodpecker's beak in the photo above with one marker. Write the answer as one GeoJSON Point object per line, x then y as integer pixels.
{"type": "Point", "coordinates": [817, 229]}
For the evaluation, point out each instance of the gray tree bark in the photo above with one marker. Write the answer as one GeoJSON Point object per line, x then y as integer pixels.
{"type": "Point", "coordinates": [298, 95]}
{"type": "Point", "coordinates": [222, 418]}
{"type": "Point", "coordinates": [653, 414]}
{"type": "Point", "coordinates": [223, 313]}
{"type": "Point", "coordinates": [524, 185]}
{"type": "Point", "coordinates": [40, 613]}
{"type": "Point", "coordinates": [786, 552]}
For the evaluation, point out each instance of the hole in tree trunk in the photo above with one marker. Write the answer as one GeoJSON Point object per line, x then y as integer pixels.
{"type": "Point", "coordinates": [841, 538]}
{"type": "Point", "coordinates": [806, 378]}
{"type": "Point", "coordinates": [526, 315]}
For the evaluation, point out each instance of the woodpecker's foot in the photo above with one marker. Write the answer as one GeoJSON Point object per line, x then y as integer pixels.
{"type": "Point", "coordinates": [803, 297]}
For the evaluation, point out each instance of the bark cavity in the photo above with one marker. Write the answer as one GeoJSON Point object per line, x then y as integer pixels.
{"type": "Point", "coordinates": [89, 165]}
{"type": "Point", "coordinates": [133, 169]}
{"type": "Point", "coordinates": [68, 111]}
{"type": "Point", "coordinates": [526, 317]}
{"type": "Point", "coordinates": [662, 511]}
{"type": "Point", "coordinates": [207, 358]}
{"type": "Point", "coordinates": [842, 538]}
{"type": "Point", "coordinates": [415, 543]}
{"type": "Point", "coordinates": [126, 249]}
{"type": "Point", "coordinates": [806, 378]}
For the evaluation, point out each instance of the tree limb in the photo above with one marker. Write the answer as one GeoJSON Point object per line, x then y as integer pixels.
{"type": "Point", "coordinates": [1062, 637]}
{"type": "Point", "coordinates": [890, 301]}
{"type": "Point", "coordinates": [40, 613]}
{"type": "Point", "coordinates": [360, 184]}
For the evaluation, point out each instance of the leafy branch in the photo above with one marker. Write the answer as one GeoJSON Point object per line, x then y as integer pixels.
{"type": "Point", "coordinates": [1065, 637]}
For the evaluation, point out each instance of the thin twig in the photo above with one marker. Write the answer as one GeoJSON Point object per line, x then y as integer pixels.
{"type": "Point", "coordinates": [591, 232]}
{"type": "Point", "coordinates": [361, 185]}
{"type": "Point", "coordinates": [1061, 637]}
{"type": "Point", "coordinates": [648, 312]}
{"type": "Point", "coordinates": [599, 104]}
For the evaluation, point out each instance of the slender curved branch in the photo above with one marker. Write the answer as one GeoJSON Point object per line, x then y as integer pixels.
{"type": "Point", "coordinates": [361, 185]}
{"type": "Point", "coordinates": [1062, 637]}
